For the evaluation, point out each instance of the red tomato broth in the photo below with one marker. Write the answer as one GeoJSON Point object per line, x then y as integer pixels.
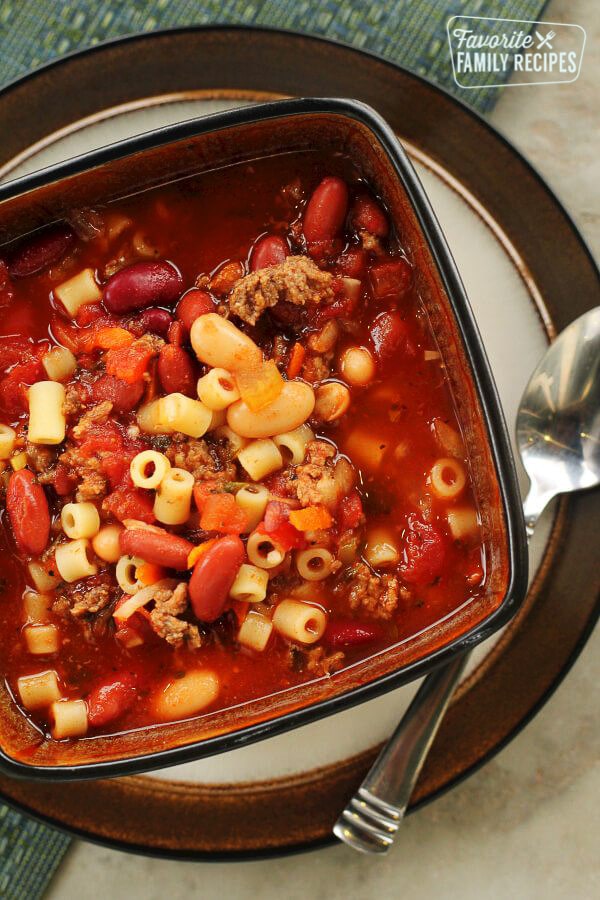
{"type": "Point", "coordinates": [200, 224]}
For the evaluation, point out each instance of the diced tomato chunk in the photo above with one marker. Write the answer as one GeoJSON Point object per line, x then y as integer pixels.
{"type": "Point", "coordinates": [221, 513]}
{"type": "Point", "coordinates": [13, 387]}
{"type": "Point", "coordinates": [130, 504]}
{"type": "Point", "coordinates": [203, 490]}
{"type": "Point", "coordinates": [390, 280]}
{"type": "Point", "coordinates": [350, 512]}
{"type": "Point", "coordinates": [352, 263]}
{"type": "Point", "coordinates": [424, 552]}
{"type": "Point", "coordinates": [101, 439]}
{"type": "Point", "coordinates": [277, 526]}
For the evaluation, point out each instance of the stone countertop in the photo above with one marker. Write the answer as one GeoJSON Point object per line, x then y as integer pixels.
{"type": "Point", "coordinates": [527, 823]}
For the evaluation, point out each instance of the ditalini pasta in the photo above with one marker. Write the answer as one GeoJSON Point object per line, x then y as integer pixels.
{"type": "Point", "coordinates": [217, 389]}
{"type": "Point", "coordinates": [250, 584]}
{"type": "Point", "coordinates": [252, 499]}
{"type": "Point", "coordinates": [39, 690]}
{"type": "Point", "coordinates": [8, 437]}
{"type": "Point", "coordinates": [80, 520]}
{"type": "Point", "coordinates": [60, 363]}
{"type": "Point", "coordinates": [230, 457]}
{"type": "Point", "coordinates": [174, 497]}
{"type": "Point", "coordinates": [292, 444]}
{"type": "Point", "coordinates": [148, 469]}
{"type": "Point", "coordinates": [42, 640]}
{"type": "Point", "coordinates": [68, 719]}
{"type": "Point", "coordinates": [180, 413]}
{"type": "Point", "coordinates": [74, 560]}
{"type": "Point", "coordinates": [255, 631]}
{"type": "Point", "coordinates": [78, 291]}
{"type": "Point", "coordinates": [300, 622]}
{"type": "Point", "coordinates": [260, 458]}
{"type": "Point", "coordinates": [47, 423]}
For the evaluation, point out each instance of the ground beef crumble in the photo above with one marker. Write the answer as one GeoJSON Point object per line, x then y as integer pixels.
{"type": "Point", "coordinates": [297, 280]}
{"type": "Point", "coordinates": [97, 415]}
{"type": "Point", "coordinates": [315, 481]}
{"type": "Point", "coordinates": [316, 661]}
{"type": "Point", "coordinates": [40, 459]}
{"type": "Point", "coordinates": [317, 368]}
{"type": "Point", "coordinates": [319, 663]}
{"type": "Point", "coordinates": [204, 461]}
{"type": "Point", "coordinates": [91, 483]}
{"type": "Point", "coordinates": [168, 605]}
{"type": "Point", "coordinates": [376, 595]}
{"type": "Point", "coordinates": [73, 401]}
{"type": "Point", "coordinates": [84, 602]}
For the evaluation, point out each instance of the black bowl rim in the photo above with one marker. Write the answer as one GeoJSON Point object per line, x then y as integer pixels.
{"type": "Point", "coordinates": [482, 379]}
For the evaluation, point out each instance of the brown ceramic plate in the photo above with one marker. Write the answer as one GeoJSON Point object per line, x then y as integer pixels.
{"type": "Point", "coordinates": [296, 811]}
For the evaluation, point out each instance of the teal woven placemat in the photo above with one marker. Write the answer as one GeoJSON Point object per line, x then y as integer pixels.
{"type": "Point", "coordinates": [32, 32]}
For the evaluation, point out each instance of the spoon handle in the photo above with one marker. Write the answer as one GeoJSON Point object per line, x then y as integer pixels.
{"type": "Point", "coordinates": [371, 819]}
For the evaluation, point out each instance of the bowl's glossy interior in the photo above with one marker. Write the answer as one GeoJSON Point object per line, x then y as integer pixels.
{"type": "Point", "coordinates": [156, 159]}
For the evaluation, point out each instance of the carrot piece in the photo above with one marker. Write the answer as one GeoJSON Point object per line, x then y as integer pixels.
{"type": "Point", "coordinates": [197, 552]}
{"type": "Point", "coordinates": [149, 573]}
{"type": "Point", "coordinates": [260, 385]}
{"type": "Point", "coordinates": [296, 360]}
{"type": "Point", "coordinates": [310, 519]}
{"type": "Point", "coordinates": [129, 363]}
{"type": "Point", "coordinates": [221, 513]}
{"type": "Point", "coordinates": [113, 338]}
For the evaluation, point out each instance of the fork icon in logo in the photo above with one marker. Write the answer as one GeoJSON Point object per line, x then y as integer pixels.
{"type": "Point", "coordinates": [544, 41]}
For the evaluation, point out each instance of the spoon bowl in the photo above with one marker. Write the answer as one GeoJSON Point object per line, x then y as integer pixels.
{"type": "Point", "coordinates": [558, 423]}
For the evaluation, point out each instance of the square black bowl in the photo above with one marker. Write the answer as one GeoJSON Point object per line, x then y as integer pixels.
{"type": "Point", "coordinates": [227, 138]}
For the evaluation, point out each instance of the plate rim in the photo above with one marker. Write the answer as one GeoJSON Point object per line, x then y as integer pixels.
{"type": "Point", "coordinates": [568, 221]}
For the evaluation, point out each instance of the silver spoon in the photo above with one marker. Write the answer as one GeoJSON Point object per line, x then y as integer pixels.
{"type": "Point", "coordinates": [558, 435]}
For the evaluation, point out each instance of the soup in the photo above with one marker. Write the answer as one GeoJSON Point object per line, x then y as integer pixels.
{"type": "Point", "coordinates": [230, 459]}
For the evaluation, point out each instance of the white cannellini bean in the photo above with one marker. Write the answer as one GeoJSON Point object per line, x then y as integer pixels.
{"type": "Point", "coordinates": [218, 343]}
{"type": "Point", "coordinates": [288, 411]}
{"type": "Point", "coordinates": [187, 696]}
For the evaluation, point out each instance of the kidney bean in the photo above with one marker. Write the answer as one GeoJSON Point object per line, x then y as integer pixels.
{"type": "Point", "coordinates": [154, 320]}
{"type": "Point", "coordinates": [388, 332]}
{"type": "Point", "coordinates": [349, 633]}
{"type": "Point", "coordinates": [213, 575]}
{"type": "Point", "coordinates": [176, 371]}
{"type": "Point", "coordinates": [270, 250]}
{"type": "Point", "coordinates": [390, 279]}
{"type": "Point", "coordinates": [141, 285]}
{"type": "Point", "coordinates": [326, 210]}
{"type": "Point", "coordinates": [366, 214]}
{"type": "Point", "coordinates": [122, 395]}
{"type": "Point", "coordinates": [108, 702]}
{"type": "Point", "coordinates": [352, 263]}
{"type": "Point", "coordinates": [28, 512]}
{"type": "Point", "coordinates": [192, 305]}
{"type": "Point", "coordinates": [40, 251]}
{"type": "Point", "coordinates": [176, 333]}
{"type": "Point", "coordinates": [159, 547]}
